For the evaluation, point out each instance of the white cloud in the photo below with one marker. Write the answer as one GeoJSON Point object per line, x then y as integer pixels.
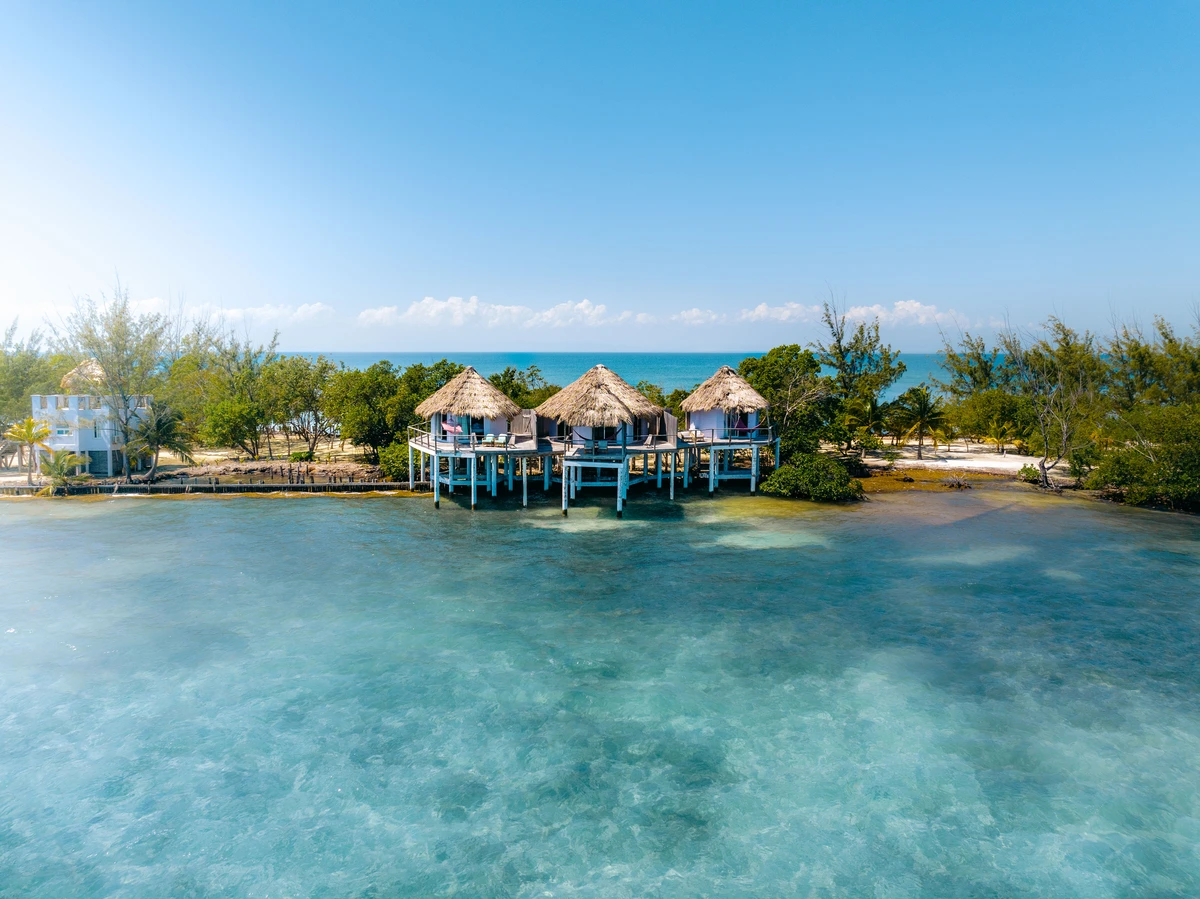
{"type": "Point", "coordinates": [454, 312]}
{"type": "Point", "coordinates": [696, 316]}
{"type": "Point", "coordinates": [268, 313]}
{"type": "Point", "coordinates": [788, 312]}
{"type": "Point", "coordinates": [582, 313]}
{"type": "Point", "coordinates": [274, 313]}
{"type": "Point", "coordinates": [903, 312]}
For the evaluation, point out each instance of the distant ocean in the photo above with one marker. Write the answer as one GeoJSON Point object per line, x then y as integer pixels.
{"type": "Point", "coordinates": [670, 371]}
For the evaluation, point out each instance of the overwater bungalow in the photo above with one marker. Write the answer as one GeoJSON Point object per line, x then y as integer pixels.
{"type": "Point", "coordinates": [473, 429]}
{"type": "Point", "coordinates": [725, 417]}
{"type": "Point", "coordinates": [600, 426]}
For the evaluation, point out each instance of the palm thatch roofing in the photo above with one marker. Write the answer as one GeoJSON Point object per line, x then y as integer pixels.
{"type": "Point", "coordinates": [85, 377]}
{"type": "Point", "coordinates": [599, 398]}
{"type": "Point", "coordinates": [469, 393]}
{"type": "Point", "coordinates": [726, 390]}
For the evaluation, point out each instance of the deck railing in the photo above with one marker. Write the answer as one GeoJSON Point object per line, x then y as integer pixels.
{"type": "Point", "coordinates": [746, 434]}
{"type": "Point", "coordinates": [455, 443]}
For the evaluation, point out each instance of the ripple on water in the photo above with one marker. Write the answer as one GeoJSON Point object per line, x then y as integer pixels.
{"type": "Point", "coordinates": [371, 698]}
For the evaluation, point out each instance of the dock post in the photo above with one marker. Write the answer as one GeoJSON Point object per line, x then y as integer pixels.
{"type": "Point", "coordinates": [713, 454]}
{"type": "Point", "coordinates": [753, 467]}
{"type": "Point", "coordinates": [658, 470]}
{"type": "Point", "coordinates": [620, 491]}
{"type": "Point", "coordinates": [672, 476]}
{"type": "Point", "coordinates": [474, 485]}
{"type": "Point", "coordinates": [411, 483]}
{"type": "Point", "coordinates": [547, 470]}
{"type": "Point", "coordinates": [574, 471]}
{"type": "Point", "coordinates": [437, 497]}
{"type": "Point", "coordinates": [565, 479]}
{"type": "Point", "coordinates": [508, 470]}
{"type": "Point", "coordinates": [524, 484]}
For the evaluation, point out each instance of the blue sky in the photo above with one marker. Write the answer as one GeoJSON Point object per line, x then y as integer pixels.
{"type": "Point", "coordinates": [602, 176]}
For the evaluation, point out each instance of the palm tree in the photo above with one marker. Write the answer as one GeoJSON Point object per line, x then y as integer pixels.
{"type": "Point", "coordinates": [29, 433]}
{"type": "Point", "coordinates": [1001, 433]}
{"type": "Point", "coordinates": [161, 429]}
{"type": "Point", "coordinates": [919, 412]}
{"type": "Point", "coordinates": [59, 468]}
{"type": "Point", "coordinates": [866, 415]}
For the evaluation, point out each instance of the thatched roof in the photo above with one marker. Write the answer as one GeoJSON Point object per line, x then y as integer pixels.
{"type": "Point", "coordinates": [598, 399]}
{"type": "Point", "coordinates": [726, 390]}
{"type": "Point", "coordinates": [469, 393]}
{"type": "Point", "coordinates": [86, 377]}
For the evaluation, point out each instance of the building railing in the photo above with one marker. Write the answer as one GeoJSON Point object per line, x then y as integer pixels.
{"type": "Point", "coordinates": [455, 443]}
{"type": "Point", "coordinates": [744, 434]}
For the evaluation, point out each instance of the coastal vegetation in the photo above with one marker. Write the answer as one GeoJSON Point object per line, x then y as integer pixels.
{"type": "Point", "coordinates": [1119, 415]}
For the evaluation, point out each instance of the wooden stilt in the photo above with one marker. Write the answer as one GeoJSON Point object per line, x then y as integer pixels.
{"type": "Point", "coordinates": [547, 469]}
{"type": "Point", "coordinates": [524, 484]}
{"type": "Point", "coordinates": [753, 467]}
{"type": "Point", "coordinates": [672, 476]}
{"type": "Point", "coordinates": [712, 470]}
{"type": "Point", "coordinates": [658, 470]}
{"type": "Point", "coordinates": [437, 499]}
{"type": "Point", "coordinates": [474, 484]}
{"type": "Point", "coordinates": [508, 470]}
{"type": "Point", "coordinates": [620, 490]}
{"type": "Point", "coordinates": [410, 471]}
{"type": "Point", "coordinates": [565, 485]}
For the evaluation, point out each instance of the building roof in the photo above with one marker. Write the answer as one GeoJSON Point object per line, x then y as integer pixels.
{"type": "Point", "coordinates": [599, 399]}
{"type": "Point", "coordinates": [725, 390]}
{"type": "Point", "coordinates": [86, 377]}
{"type": "Point", "coordinates": [469, 393]}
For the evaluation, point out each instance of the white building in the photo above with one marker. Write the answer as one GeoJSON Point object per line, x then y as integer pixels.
{"type": "Point", "coordinates": [85, 423]}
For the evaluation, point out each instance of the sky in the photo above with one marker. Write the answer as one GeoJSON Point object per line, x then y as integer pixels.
{"type": "Point", "coordinates": [573, 176]}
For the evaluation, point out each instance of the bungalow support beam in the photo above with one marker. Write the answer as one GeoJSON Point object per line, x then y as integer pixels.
{"type": "Point", "coordinates": [411, 485]}
{"type": "Point", "coordinates": [508, 470]}
{"type": "Point", "coordinates": [672, 476]}
{"type": "Point", "coordinates": [753, 467]}
{"type": "Point", "coordinates": [524, 484]}
{"type": "Point", "coordinates": [622, 475]}
{"type": "Point", "coordinates": [474, 485]}
{"type": "Point", "coordinates": [437, 498]}
{"type": "Point", "coordinates": [565, 479]}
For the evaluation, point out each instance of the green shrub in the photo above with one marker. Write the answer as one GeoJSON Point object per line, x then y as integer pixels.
{"type": "Point", "coordinates": [1029, 474]}
{"type": "Point", "coordinates": [813, 476]}
{"type": "Point", "coordinates": [393, 462]}
{"type": "Point", "coordinates": [301, 456]}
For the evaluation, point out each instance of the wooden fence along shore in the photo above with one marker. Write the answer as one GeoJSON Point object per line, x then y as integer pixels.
{"type": "Point", "coordinates": [203, 488]}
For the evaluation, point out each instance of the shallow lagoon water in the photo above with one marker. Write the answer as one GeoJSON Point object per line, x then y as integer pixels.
{"type": "Point", "coordinates": [979, 694]}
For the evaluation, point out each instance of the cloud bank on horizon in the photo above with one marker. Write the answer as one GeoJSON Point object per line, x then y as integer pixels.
{"type": "Point", "coordinates": [471, 323]}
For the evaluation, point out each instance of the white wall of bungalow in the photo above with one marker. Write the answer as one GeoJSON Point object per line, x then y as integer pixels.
{"type": "Point", "coordinates": [719, 423]}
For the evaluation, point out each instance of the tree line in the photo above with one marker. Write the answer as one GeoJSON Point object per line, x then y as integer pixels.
{"type": "Point", "coordinates": [1119, 414]}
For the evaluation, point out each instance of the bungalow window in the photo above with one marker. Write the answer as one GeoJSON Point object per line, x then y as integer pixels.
{"type": "Point", "coordinates": [96, 428]}
{"type": "Point", "coordinates": [62, 432]}
{"type": "Point", "coordinates": [41, 402]}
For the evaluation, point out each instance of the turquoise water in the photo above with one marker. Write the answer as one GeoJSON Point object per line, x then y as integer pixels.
{"type": "Point", "coordinates": [937, 695]}
{"type": "Point", "coordinates": [670, 371]}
